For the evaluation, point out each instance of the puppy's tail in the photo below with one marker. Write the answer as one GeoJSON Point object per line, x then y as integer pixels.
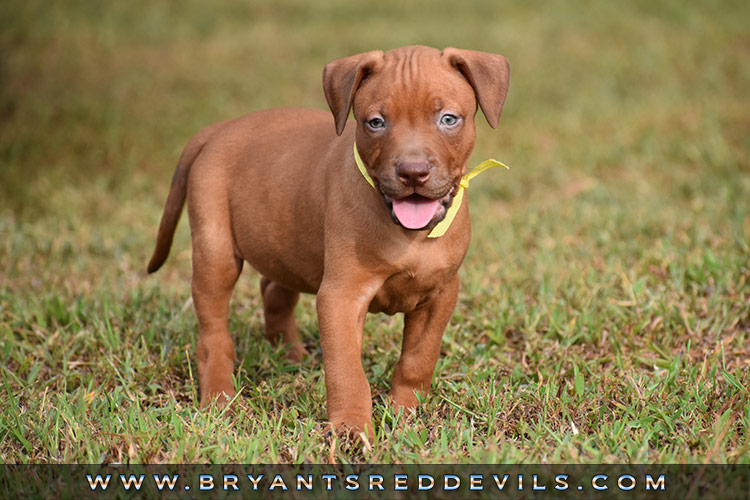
{"type": "Point", "coordinates": [176, 197]}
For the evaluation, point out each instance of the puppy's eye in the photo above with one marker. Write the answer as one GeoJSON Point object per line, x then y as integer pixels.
{"type": "Point", "coordinates": [449, 120]}
{"type": "Point", "coordinates": [375, 123]}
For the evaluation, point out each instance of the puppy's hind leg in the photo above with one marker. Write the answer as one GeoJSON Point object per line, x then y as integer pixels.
{"type": "Point", "coordinates": [215, 272]}
{"type": "Point", "coordinates": [278, 311]}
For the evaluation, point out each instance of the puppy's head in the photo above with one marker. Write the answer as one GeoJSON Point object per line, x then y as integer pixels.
{"type": "Point", "coordinates": [414, 109]}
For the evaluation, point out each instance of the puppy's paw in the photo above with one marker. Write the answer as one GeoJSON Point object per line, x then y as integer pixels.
{"type": "Point", "coordinates": [351, 427]}
{"type": "Point", "coordinates": [405, 396]}
{"type": "Point", "coordinates": [296, 352]}
{"type": "Point", "coordinates": [220, 399]}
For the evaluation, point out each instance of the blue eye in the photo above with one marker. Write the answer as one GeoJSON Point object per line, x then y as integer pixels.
{"type": "Point", "coordinates": [375, 123]}
{"type": "Point", "coordinates": [448, 120]}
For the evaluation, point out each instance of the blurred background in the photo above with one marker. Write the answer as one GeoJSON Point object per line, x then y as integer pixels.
{"type": "Point", "coordinates": [641, 108]}
{"type": "Point", "coordinates": [620, 232]}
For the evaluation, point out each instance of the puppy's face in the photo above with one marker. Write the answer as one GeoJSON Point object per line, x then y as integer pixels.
{"type": "Point", "coordinates": [415, 132]}
{"type": "Point", "coordinates": [415, 110]}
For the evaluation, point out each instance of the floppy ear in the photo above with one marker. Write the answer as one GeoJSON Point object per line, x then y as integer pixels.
{"type": "Point", "coordinates": [342, 78]}
{"type": "Point", "coordinates": [489, 76]}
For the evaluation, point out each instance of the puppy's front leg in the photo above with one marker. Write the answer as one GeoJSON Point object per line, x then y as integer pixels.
{"type": "Point", "coordinates": [423, 330]}
{"type": "Point", "coordinates": [341, 319]}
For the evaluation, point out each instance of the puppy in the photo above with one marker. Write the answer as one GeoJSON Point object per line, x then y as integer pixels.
{"type": "Point", "coordinates": [365, 213]}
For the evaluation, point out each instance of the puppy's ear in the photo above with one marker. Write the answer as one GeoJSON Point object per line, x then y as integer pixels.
{"type": "Point", "coordinates": [489, 76]}
{"type": "Point", "coordinates": [342, 78]}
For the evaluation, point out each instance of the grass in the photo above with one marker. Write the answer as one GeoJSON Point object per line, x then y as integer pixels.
{"type": "Point", "coordinates": [604, 314]}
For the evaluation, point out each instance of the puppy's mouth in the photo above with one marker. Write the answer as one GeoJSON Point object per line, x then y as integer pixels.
{"type": "Point", "coordinates": [419, 212]}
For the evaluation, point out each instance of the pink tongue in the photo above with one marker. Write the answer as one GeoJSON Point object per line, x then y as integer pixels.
{"type": "Point", "coordinates": [414, 211]}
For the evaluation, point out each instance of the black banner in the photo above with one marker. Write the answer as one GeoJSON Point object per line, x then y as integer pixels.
{"type": "Point", "coordinates": [376, 481]}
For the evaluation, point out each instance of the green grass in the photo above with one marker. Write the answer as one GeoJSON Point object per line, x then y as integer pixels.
{"type": "Point", "coordinates": [604, 314]}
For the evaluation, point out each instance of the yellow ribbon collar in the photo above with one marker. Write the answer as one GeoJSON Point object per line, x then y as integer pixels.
{"type": "Point", "coordinates": [444, 224]}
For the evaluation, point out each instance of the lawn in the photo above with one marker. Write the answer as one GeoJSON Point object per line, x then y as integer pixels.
{"type": "Point", "coordinates": [604, 313]}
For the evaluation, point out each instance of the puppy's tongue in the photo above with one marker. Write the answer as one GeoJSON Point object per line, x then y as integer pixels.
{"type": "Point", "coordinates": [415, 212]}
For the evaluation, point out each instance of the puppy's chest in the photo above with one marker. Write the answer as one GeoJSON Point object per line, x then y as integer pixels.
{"type": "Point", "coordinates": [411, 285]}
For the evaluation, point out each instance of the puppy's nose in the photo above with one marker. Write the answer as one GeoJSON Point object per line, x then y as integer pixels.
{"type": "Point", "coordinates": [413, 173]}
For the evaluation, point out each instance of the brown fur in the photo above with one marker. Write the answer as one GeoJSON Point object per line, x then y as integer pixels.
{"type": "Point", "coordinates": [280, 189]}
